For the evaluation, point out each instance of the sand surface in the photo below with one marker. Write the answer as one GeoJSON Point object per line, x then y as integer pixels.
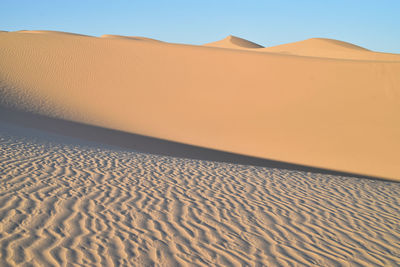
{"type": "Point", "coordinates": [320, 103]}
{"type": "Point", "coordinates": [64, 201]}
{"type": "Point", "coordinates": [107, 147]}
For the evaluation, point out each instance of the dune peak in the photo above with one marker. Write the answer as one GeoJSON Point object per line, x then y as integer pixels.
{"type": "Point", "coordinates": [48, 32]}
{"type": "Point", "coordinates": [330, 48]}
{"type": "Point", "coordinates": [232, 41]}
{"type": "Point", "coordinates": [136, 38]}
{"type": "Point", "coordinates": [332, 42]}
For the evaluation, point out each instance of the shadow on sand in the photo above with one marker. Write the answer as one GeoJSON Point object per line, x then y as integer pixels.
{"type": "Point", "coordinates": [148, 144]}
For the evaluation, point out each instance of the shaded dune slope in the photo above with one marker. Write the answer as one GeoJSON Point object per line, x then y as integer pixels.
{"type": "Point", "coordinates": [326, 113]}
{"type": "Point", "coordinates": [146, 144]}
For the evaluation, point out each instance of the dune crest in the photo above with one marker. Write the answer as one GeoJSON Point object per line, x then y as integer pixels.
{"type": "Point", "coordinates": [51, 32]}
{"type": "Point", "coordinates": [234, 42]}
{"type": "Point", "coordinates": [330, 48]}
{"type": "Point", "coordinates": [320, 43]}
{"type": "Point", "coordinates": [137, 38]}
{"type": "Point", "coordinates": [327, 113]}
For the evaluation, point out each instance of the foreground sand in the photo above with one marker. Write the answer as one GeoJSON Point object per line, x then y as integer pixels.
{"type": "Point", "coordinates": [65, 201]}
{"type": "Point", "coordinates": [319, 102]}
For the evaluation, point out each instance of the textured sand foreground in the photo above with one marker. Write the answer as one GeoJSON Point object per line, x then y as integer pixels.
{"type": "Point", "coordinates": [64, 201]}
{"type": "Point", "coordinates": [319, 102]}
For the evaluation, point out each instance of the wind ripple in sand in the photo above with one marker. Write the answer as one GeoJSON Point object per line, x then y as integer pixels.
{"type": "Point", "coordinates": [65, 203]}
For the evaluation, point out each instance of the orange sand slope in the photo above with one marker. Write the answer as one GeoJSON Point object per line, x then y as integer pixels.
{"type": "Point", "coordinates": [328, 48]}
{"type": "Point", "coordinates": [329, 104]}
{"type": "Point", "coordinates": [234, 42]}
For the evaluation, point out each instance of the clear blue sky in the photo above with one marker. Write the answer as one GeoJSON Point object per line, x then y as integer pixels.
{"type": "Point", "coordinates": [374, 24]}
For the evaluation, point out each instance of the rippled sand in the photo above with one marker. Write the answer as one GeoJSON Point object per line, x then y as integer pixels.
{"type": "Point", "coordinates": [66, 202]}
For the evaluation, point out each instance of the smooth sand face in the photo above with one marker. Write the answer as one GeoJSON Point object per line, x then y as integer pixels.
{"type": "Point", "coordinates": [335, 110]}
{"type": "Point", "coordinates": [65, 202]}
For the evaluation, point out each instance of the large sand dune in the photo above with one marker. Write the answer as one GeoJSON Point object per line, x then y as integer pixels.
{"type": "Point", "coordinates": [235, 43]}
{"type": "Point", "coordinates": [74, 190]}
{"type": "Point", "coordinates": [329, 105]}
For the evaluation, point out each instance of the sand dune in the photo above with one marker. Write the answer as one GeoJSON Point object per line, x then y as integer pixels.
{"type": "Point", "coordinates": [68, 202]}
{"type": "Point", "coordinates": [314, 47]}
{"type": "Point", "coordinates": [136, 38]}
{"type": "Point", "coordinates": [328, 48]}
{"type": "Point", "coordinates": [76, 110]}
{"type": "Point", "coordinates": [234, 42]}
{"type": "Point", "coordinates": [321, 112]}
{"type": "Point", "coordinates": [41, 32]}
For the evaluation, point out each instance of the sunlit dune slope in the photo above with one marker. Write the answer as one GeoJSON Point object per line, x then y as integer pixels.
{"type": "Point", "coordinates": [330, 113]}
{"type": "Point", "coordinates": [50, 32]}
{"type": "Point", "coordinates": [328, 48]}
{"type": "Point", "coordinates": [314, 47]}
{"type": "Point", "coordinates": [234, 42]}
{"type": "Point", "coordinates": [136, 38]}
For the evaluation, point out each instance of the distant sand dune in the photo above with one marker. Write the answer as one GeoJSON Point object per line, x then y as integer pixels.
{"type": "Point", "coordinates": [234, 42]}
{"type": "Point", "coordinates": [328, 48]}
{"type": "Point", "coordinates": [67, 202]}
{"type": "Point", "coordinates": [136, 38]}
{"type": "Point", "coordinates": [315, 110]}
{"type": "Point", "coordinates": [315, 44]}
{"type": "Point", "coordinates": [52, 33]}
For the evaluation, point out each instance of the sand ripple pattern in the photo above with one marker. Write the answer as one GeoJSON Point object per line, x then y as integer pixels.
{"type": "Point", "coordinates": [64, 204]}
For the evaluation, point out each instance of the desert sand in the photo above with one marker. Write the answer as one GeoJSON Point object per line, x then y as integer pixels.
{"type": "Point", "coordinates": [129, 151]}
{"type": "Point", "coordinates": [337, 110]}
{"type": "Point", "coordinates": [234, 42]}
{"type": "Point", "coordinates": [65, 201]}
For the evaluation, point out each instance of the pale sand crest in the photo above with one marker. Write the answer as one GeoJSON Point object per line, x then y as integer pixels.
{"type": "Point", "coordinates": [328, 104]}
{"type": "Point", "coordinates": [66, 202]}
